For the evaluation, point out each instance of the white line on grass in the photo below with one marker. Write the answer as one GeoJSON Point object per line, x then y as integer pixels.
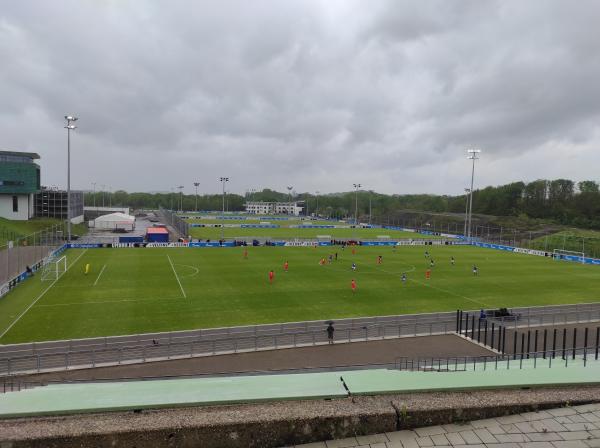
{"type": "Point", "coordinates": [174, 272]}
{"type": "Point", "coordinates": [41, 295]}
{"type": "Point", "coordinates": [189, 266]}
{"type": "Point", "coordinates": [101, 271]}
{"type": "Point", "coordinates": [429, 285]}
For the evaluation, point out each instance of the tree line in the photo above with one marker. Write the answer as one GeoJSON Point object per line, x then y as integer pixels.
{"type": "Point", "coordinates": [561, 200]}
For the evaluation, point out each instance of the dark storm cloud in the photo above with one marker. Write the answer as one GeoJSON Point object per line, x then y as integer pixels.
{"type": "Point", "coordinates": [314, 94]}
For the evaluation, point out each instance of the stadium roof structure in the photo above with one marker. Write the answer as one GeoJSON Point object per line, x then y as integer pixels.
{"type": "Point", "coordinates": [32, 155]}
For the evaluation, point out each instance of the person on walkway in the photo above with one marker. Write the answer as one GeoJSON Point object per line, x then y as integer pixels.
{"type": "Point", "coordinates": [330, 331]}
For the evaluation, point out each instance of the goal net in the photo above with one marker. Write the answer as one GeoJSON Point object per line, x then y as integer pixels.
{"type": "Point", "coordinates": [568, 255]}
{"type": "Point", "coordinates": [54, 268]}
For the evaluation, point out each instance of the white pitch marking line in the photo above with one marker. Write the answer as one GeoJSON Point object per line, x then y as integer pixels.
{"type": "Point", "coordinates": [101, 271]}
{"type": "Point", "coordinates": [189, 266]}
{"type": "Point", "coordinates": [177, 277]}
{"type": "Point", "coordinates": [41, 295]}
{"type": "Point", "coordinates": [449, 292]}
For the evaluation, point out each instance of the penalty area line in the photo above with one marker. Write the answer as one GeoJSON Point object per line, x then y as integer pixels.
{"type": "Point", "coordinates": [177, 277]}
{"type": "Point", "coordinates": [98, 278]}
{"type": "Point", "coordinates": [41, 295]}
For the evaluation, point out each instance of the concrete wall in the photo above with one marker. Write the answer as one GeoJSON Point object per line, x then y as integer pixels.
{"type": "Point", "coordinates": [25, 207]}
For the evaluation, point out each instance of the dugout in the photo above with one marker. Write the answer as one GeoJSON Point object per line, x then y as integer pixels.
{"type": "Point", "coordinates": [157, 235]}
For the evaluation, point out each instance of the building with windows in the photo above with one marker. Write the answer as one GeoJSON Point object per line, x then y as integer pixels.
{"type": "Point", "coordinates": [19, 182]}
{"type": "Point", "coordinates": [274, 208]}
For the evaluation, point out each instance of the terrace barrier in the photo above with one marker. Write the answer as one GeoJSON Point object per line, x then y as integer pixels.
{"type": "Point", "coordinates": [65, 354]}
{"type": "Point", "coordinates": [576, 357]}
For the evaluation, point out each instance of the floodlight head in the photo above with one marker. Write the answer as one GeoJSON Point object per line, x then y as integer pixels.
{"type": "Point", "coordinates": [70, 118]}
{"type": "Point", "coordinates": [474, 150]}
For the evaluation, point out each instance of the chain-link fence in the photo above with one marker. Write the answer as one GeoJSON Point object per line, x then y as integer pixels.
{"type": "Point", "coordinates": [171, 219]}
{"type": "Point", "coordinates": [24, 251]}
{"type": "Point", "coordinates": [546, 238]}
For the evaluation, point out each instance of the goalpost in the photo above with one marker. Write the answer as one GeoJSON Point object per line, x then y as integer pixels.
{"type": "Point", "coordinates": [571, 255]}
{"type": "Point", "coordinates": [54, 267]}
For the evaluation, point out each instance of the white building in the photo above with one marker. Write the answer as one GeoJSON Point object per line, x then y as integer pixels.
{"type": "Point", "coordinates": [19, 181]}
{"type": "Point", "coordinates": [274, 208]}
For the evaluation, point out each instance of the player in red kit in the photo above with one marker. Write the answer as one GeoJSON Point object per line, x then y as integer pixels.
{"type": "Point", "coordinates": [353, 285]}
{"type": "Point", "coordinates": [271, 276]}
{"type": "Point", "coordinates": [428, 274]}
{"type": "Point", "coordinates": [285, 266]}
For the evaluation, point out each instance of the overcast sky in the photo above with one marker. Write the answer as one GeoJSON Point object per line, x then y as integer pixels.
{"type": "Point", "coordinates": [314, 94]}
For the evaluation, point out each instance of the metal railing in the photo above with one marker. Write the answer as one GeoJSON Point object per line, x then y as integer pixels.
{"type": "Point", "coordinates": [582, 356]}
{"type": "Point", "coordinates": [66, 354]}
{"type": "Point", "coordinates": [158, 350]}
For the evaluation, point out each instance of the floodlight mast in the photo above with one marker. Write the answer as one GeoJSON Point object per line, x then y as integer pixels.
{"type": "Point", "coordinates": [290, 198]}
{"type": "Point", "coordinates": [356, 186]}
{"type": "Point", "coordinates": [180, 198]}
{"type": "Point", "coordinates": [196, 184]}
{"type": "Point", "coordinates": [69, 127]}
{"type": "Point", "coordinates": [223, 180]}
{"type": "Point", "coordinates": [467, 191]}
{"type": "Point", "coordinates": [472, 156]}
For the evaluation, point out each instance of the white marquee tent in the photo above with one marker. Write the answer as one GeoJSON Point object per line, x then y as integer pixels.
{"type": "Point", "coordinates": [114, 221]}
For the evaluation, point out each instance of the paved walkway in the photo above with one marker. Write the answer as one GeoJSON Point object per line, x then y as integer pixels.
{"type": "Point", "coordinates": [572, 427]}
{"type": "Point", "coordinates": [322, 356]}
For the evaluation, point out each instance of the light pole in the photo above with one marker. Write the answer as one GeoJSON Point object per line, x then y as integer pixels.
{"type": "Point", "coordinates": [473, 156]}
{"type": "Point", "coordinates": [317, 208]}
{"type": "Point", "coordinates": [180, 198]}
{"type": "Point", "coordinates": [171, 194]}
{"type": "Point", "coordinates": [69, 127]}
{"type": "Point", "coordinates": [94, 186]}
{"type": "Point", "coordinates": [223, 180]}
{"type": "Point", "coordinates": [109, 196]}
{"type": "Point", "coordinates": [290, 199]}
{"type": "Point", "coordinates": [196, 184]}
{"type": "Point", "coordinates": [467, 191]}
{"type": "Point", "coordinates": [356, 186]}
{"type": "Point", "coordinates": [103, 187]}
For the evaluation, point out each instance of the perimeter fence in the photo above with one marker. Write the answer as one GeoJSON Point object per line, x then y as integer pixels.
{"type": "Point", "coordinates": [170, 218]}
{"type": "Point", "coordinates": [21, 251]}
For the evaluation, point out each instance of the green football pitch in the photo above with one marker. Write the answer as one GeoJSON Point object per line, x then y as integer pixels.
{"type": "Point", "coordinates": [139, 290]}
{"type": "Point", "coordinates": [284, 231]}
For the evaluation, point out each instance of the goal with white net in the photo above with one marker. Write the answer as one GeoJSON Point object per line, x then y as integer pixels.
{"type": "Point", "coordinates": [53, 268]}
{"type": "Point", "coordinates": [568, 255]}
